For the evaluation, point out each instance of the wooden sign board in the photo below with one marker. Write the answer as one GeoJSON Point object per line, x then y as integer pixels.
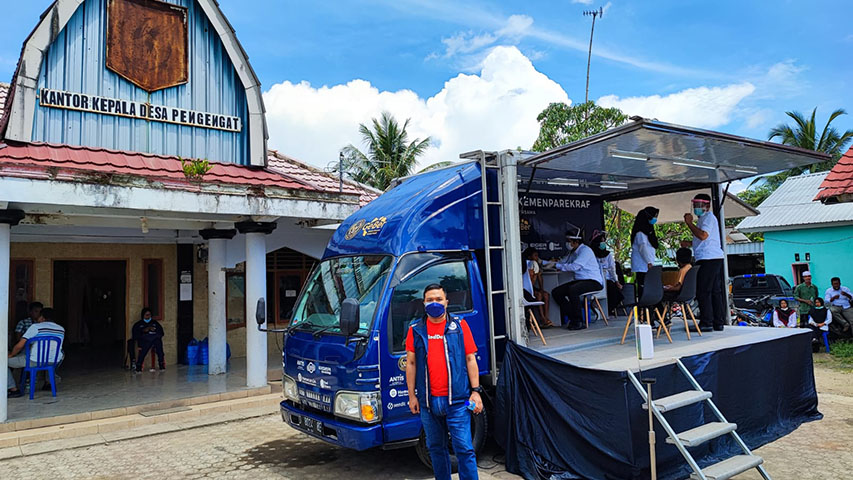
{"type": "Point", "coordinates": [147, 43]}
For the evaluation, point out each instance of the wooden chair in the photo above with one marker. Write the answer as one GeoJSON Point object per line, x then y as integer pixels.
{"type": "Point", "coordinates": [531, 319]}
{"type": "Point", "coordinates": [687, 294]}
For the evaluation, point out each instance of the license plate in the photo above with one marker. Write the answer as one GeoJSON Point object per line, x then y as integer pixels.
{"type": "Point", "coordinates": [310, 425]}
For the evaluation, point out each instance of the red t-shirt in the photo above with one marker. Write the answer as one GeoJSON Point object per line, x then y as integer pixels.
{"type": "Point", "coordinates": [436, 361]}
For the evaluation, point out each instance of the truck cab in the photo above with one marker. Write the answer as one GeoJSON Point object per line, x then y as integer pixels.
{"type": "Point", "coordinates": [349, 388]}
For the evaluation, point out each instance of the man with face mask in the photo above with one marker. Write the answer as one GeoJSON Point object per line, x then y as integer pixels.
{"type": "Point", "coordinates": [148, 334]}
{"type": "Point", "coordinates": [708, 252]}
{"type": "Point", "coordinates": [442, 376]}
{"type": "Point", "coordinates": [587, 278]}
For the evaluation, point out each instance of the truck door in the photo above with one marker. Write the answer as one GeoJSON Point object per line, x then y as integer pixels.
{"type": "Point", "coordinates": [414, 273]}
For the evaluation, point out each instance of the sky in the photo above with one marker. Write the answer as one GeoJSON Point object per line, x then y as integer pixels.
{"type": "Point", "coordinates": [475, 74]}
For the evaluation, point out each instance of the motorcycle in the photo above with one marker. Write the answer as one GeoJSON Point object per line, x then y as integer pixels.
{"type": "Point", "coordinates": [758, 314]}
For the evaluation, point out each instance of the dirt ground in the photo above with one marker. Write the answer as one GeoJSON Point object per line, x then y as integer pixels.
{"type": "Point", "coordinates": [831, 439]}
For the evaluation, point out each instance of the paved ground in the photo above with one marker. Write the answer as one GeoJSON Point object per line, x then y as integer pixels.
{"type": "Point", "coordinates": [264, 448]}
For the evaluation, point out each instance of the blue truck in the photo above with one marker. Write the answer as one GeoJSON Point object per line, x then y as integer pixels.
{"type": "Point", "coordinates": [344, 356]}
{"type": "Point", "coordinates": [461, 226]}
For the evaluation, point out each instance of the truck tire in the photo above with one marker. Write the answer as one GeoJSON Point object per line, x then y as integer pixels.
{"type": "Point", "coordinates": [479, 433]}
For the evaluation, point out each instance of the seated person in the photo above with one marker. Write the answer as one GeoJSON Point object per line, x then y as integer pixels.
{"type": "Point", "coordinates": [534, 270]}
{"type": "Point", "coordinates": [25, 323]}
{"type": "Point", "coordinates": [682, 257]}
{"type": "Point", "coordinates": [784, 317]}
{"type": "Point", "coordinates": [44, 326]}
{"type": "Point", "coordinates": [582, 263]}
{"type": "Point", "coordinates": [819, 319]}
{"type": "Point", "coordinates": [148, 334]}
{"type": "Point", "coordinates": [608, 266]}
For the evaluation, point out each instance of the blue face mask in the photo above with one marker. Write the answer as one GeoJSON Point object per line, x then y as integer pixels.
{"type": "Point", "coordinates": [602, 246]}
{"type": "Point", "coordinates": [653, 220]}
{"type": "Point", "coordinates": [698, 211]}
{"type": "Point", "coordinates": [434, 309]}
{"type": "Point", "coordinates": [146, 320]}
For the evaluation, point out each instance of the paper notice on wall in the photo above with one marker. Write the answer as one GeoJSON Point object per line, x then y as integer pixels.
{"type": "Point", "coordinates": [186, 293]}
{"type": "Point", "coordinates": [290, 293]}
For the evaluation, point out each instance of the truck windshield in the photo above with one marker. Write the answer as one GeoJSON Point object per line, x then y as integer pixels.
{"type": "Point", "coordinates": [336, 279]}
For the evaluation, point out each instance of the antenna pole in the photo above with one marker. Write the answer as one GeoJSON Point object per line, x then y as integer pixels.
{"type": "Point", "coordinates": [593, 14]}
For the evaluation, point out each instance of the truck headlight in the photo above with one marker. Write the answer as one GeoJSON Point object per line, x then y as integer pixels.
{"type": "Point", "coordinates": [288, 386]}
{"type": "Point", "coordinates": [360, 406]}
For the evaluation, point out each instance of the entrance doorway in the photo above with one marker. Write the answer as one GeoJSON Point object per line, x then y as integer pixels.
{"type": "Point", "coordinates": [797, 270]}
{"type": "Point", "coordinates": [89, 297]}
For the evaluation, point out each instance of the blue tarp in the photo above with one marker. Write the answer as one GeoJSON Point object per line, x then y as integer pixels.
{"type": "Point", "coordinates": [560, 421]}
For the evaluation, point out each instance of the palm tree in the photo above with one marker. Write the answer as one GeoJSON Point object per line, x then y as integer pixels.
{"type": "Point", "coordinates": [804, 135]}
{"type": "Point", "coordinates": [389, 153]}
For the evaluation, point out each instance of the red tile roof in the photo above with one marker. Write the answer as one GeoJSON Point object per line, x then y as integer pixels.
{"type": "Point", "coordinates": [4, 92]}
{"type": "Point", "coordinates": [840, 179]}
{"type": "Point", "coordinates": [77, 163]}
{"type": "Point", "coordinates": [326, 182]}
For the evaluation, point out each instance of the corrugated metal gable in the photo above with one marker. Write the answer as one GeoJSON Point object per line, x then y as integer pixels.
{"type": "Point", "coordinates": [791, 206]}
{"type": "Point", "coordinates": [75, 62]}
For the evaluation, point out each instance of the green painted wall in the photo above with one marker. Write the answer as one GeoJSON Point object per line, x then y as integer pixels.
{"type": "Point", "coordinates": [831, 250]}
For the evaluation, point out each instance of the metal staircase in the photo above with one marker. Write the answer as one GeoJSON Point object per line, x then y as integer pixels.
{"type": "Point", "coordinates": [725, 469]}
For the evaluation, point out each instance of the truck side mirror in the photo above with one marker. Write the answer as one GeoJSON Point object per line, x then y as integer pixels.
{"type": "Point", "coordinates": [261, 312]}
{"type": "Point", "coordinates": [349, 316]}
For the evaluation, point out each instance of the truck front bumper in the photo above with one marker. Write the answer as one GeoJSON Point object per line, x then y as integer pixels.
{"type": "Point", "coordinates": [332, 430]}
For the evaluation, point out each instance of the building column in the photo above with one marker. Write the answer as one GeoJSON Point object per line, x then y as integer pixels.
{"type": "Point", "coordinates": [256, 288]}
{"type": "Point", "coordinates": [216, 311]}
{"type": "Point", "coordinates": [7, 219]}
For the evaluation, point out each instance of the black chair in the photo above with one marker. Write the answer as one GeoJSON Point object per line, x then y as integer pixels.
{"type": "Point", "coordinates": [629, 295]}
{"type": "Point", "coordinates": [652, 295]}
{"type": "Point", "coordinates": [687, 294]}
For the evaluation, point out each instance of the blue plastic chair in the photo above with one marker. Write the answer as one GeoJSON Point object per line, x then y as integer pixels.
{"type": "Point", "coordinates": [44, 360]}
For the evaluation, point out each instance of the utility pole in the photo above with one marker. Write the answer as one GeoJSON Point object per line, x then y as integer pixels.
{"type": "Point", "coordinates": [593, 14]}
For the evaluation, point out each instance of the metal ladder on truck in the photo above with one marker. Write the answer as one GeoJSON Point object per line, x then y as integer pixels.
{"type": "Point", "coordinates": [494, 249]}
{"type": "Point", "coordinates": [727, 468]}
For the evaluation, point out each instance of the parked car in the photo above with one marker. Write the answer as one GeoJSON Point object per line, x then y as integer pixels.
{"type": "Point", "coordinates": [746, 289]}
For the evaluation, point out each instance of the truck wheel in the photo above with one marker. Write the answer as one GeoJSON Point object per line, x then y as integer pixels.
{"type": "Point", "coordinates": [479, 432]}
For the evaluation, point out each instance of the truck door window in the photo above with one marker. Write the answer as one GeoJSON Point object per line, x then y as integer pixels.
{"type": "Point", "coordinates": [407, 302]}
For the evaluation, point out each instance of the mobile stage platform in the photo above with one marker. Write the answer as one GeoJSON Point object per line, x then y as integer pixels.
{"type": "Point", "coordinates": [578, 385]}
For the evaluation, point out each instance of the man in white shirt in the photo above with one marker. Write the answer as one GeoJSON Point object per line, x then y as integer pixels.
{"type": "Point", "coordinates": [44, 326]}
{"type": "Point", "coordinates": [839, 298]}
{"type": "Point", "coordinates": [587, 278]}
{"type": "Point", "coordinates": [708, 252]}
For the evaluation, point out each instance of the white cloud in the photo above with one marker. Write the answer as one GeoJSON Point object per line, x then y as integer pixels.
{"type": "Point", "coordinates": [585, 2]}
{"type": "Point", "coordinates": [704, 107]}
{"type": "Point", "coordinates": [495, 109]}
{"type": "Point", "coordinates": [737, 186]}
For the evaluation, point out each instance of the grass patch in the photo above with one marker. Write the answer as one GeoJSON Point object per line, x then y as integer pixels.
{"type": "Point", "coordinates": [842, 350]}
{"type": "Point", "coordinates": [840, 357]}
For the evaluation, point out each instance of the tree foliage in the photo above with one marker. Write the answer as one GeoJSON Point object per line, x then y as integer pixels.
{"type": "Point", "coordinates": [389, 154]}
{"type": "Point", "coordinates": [804, 134]}
{"type": "Point", "coordinates": [560, 124]}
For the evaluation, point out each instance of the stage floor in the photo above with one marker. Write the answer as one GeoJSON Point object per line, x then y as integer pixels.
{"type": "Point", "coordinates": [598, 346]}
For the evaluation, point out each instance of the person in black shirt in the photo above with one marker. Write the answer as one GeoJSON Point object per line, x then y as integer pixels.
{"type": "Point", "coordinates": [148, 334]}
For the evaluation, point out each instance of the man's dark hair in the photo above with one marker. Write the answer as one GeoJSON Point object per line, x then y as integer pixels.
{"type": "Point", "coordinates": [528, 252]}
{"type": "Point", "coordinates": [834, 279]}
{"type": "Point", "coordinates": [702, 196]}
{"type": "Point", "coordinates": [434, 286]}
{"type": "Point", "coordinates": [683, 255]}
{"type": "Point", "coordinates": [35, 305]}
{"type": "Point", "coordinates": [47, 313]}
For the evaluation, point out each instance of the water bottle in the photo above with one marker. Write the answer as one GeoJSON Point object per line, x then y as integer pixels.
{"type": "Point", "coordinates": [470, 405]}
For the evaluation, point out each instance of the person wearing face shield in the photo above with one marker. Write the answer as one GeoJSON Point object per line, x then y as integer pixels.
{"type": "Point", "coordinates": [644, 242]}
{"type": "Point", "coordinates": [587, 278]}
{"type": "Point", "coordinates": [708, 252]}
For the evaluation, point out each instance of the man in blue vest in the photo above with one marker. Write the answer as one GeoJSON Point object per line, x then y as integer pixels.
{"type": "Point", "coordinates": [442, 374]}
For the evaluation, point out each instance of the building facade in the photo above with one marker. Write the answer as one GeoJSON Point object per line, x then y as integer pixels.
{"type": "Point", "coordinates": [134, 173]}
{"type": "Point", "coordinates": [802, 234]}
